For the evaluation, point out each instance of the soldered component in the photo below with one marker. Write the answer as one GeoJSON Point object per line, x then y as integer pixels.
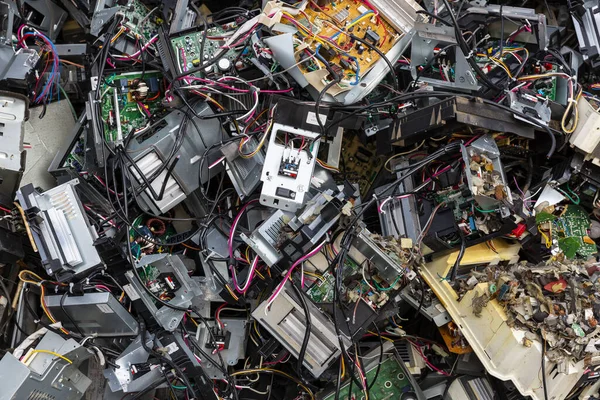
{"type": "Point", "coordinates": [289, 166]}
{"type": "Point", "coordinates": [341, 16]}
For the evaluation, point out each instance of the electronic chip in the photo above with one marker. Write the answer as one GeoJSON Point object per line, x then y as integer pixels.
{"type": "Point", "coordinates": [372, 37]}
{"type": "Point", "coordinates": [341, 16]}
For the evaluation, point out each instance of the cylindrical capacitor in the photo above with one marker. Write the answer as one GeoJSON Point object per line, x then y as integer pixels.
{"type": "Point", "coordinates": [224, 64]}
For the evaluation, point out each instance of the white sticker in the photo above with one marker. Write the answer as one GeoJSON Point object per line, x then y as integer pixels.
{"type": "Point", "coordinates": [105, 308]}
{"type": "Point", "coordinates": [172, 348]}
{"type": "Point", "coordinates": [311, 118]}
{"type": "Point", "coordinates": [410, 274]}
{"type": "Point", "coordinates": [131, 293]}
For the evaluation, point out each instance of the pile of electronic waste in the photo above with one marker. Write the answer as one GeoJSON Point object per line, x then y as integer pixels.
{"type": "Point", "coordinates": [354, 199]}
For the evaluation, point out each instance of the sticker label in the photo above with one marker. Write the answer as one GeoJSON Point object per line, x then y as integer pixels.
{"type": "Point", "coordinates": [311, 118]}
{"type": "Point", "coordinates": [105, 308]}
{"type": "Point", "coordinates": [172, 348]}
{"type": "Point", "coordinates": [131, 293]}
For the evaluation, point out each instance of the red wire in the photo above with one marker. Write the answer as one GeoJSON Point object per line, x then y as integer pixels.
{"type": "Point", "coordinates": [6, 210]}
{"type": "Point", "coordinates": [217, 315]}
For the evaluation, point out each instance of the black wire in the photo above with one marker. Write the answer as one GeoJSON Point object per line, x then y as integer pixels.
{"type": "Point", "coordinates": [165, 360]}
{"type": "Point", "coordinates": [430, 63]}
{"type": "Point", "coordinates": [8, 306]}
{"type": "Point", "coordinates": [465, 49]}
{"type": "Point", "coordinates": [461, 253]}
{"type": "Point", "coordinates": [380, 53]}
{"type": "Point", "coordinates": [544, 369]}
{"type": "Point", "coordinates": [380, 359]}
{"type": "Point", "coordinates": [171, 390]}
{"type": "Point", "coordinates": [221, 368]}
{"type": "Point", "coordinates": [167, 176]}
{"type": "Point", "coordinates": [422, 286]}
{"type": "Point", "coordinates": [62, 307]}
{"type": "Point", "coordinates": [212, 337]}
{"type": "Point", "coordinates": [148, 389]}
{"type": "Point", "coordinates": [307, 332]}
{"type": "Point", "coordinates": [322, 131]}
{"type": "Point", "coordinates": [432, 15]}
{"type": "Point", "coordinates": [338, 383]}
{"type": "Point", "coordinates": [501, 32]}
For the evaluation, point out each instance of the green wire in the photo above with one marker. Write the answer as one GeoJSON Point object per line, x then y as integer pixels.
{"type": "Point", "coordinates": [568, 196]}
{"type": "Point", "coordinates": [68, 101]}
{"type": "Point", "coordinates": [179, 387]}
{"type": "Point", "coordinates": [573, 193]}
{"type": "Point", "coordinates": [387, 288]}
{"type": "Point", "coordinates": [484, 211]}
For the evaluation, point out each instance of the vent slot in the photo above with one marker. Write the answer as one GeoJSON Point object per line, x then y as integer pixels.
{"type": "Point", "coordinates": [39, 395]}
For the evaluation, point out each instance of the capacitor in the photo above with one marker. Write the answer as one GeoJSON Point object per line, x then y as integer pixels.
{"type": "Point", "coordinates": [224, 64]}
{"type": "Point", "coordinates": [595, 229]}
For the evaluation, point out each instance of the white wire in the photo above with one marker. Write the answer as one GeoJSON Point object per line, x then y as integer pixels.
{"type": "Point", "coordinates": [211, 89]}
{"type": "Point", "coordinates": [252, 389]}
{"type": "Point", "coordinates": [285, 70]}
{"type": "Point", "coordinates": [533, 195]}
{"type": "Point", "coordinates": [365, 278]}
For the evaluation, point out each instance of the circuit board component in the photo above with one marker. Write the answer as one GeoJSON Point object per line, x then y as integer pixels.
{"type": "Point", "coordinates": [128, 102]}
{"type": "Point", "coordinates": [191, 50]}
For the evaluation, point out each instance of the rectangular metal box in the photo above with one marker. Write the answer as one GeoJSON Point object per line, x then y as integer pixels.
{"type": "Point", "coordinates": [94, 313]}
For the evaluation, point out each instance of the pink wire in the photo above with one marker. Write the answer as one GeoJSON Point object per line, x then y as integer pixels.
{"type": "Point", "coordinates": [137, 53]}
{"type": "Point", "coordinates": [102, 287]}
{"type": "Point", "coordinates": [289, 273]}
{"type": "Point", "coordinates": [234, 225]}
{"type": "Point", "coordinates": [244, 289]}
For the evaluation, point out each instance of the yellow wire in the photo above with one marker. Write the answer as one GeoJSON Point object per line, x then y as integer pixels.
{"type": "Point", "coordinates": [402, 154]}
{"type": "Point", "coordinates": [51, 353]}
{"type": "Point", "coordinates": [118, 34]}
{"type": "Point", "coordinates": [231, 292]}
{"type": "Point", "coordinates": [192, 319]}
{"type": "Point", "coordinates": [276, 372]}
{"type": "Point", "coordinates": [262, 140]}
{"type": "Point", "coordinates": [315, 275]}
{"type": "Point", "coordinates": [502, 65]}
{"type": "Point", "coordinates": [546, 238]}
{"type": "Point", "coordinates": [27, 227]}
{"type": "Point", "coordinates": [26, 271]}
{"type": "Point", "coordinates": [571, 105]}
{"type": "Point", "coordinates": [343, 367]}
{"type": "Point", "coordinates": [383, 337]}
{"type": "Point", "coordinates": [327, 166]}
{"type": "Point", "coordinates": [248, 255]}
{"type": "Point", "coordinates": [256, 329]}
{"type": "Point", "coordinates": [370, 15]}
{"type": "Point", "coordinates": [209, 98]}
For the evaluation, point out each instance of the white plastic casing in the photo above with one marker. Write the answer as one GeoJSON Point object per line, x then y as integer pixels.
{"type": "Point", "coordinates": [274, 185]}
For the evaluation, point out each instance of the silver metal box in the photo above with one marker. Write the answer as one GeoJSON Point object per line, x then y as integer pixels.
{"type": "Point", "coordinates": [94, 313]}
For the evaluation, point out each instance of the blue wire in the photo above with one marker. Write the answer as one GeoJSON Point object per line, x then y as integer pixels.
{"type": "Point", "coordinates": [354, 20]}
{"type": "Point", "coordinates": [357, 76]}
{"type": "Point", "coordinates": [53, 73]}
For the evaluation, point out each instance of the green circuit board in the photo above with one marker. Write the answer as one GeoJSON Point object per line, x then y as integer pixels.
{"type": "Point", "coordinates": [187, 47]}
{"type": "Point", "coordinates": [452, 196]}
{"type": "Point", "coordinates": [572, 230]}
{"type": "Point", "coordinates": [117, 100]}
{"type": "Point", "coordinates": [322, 290]}
{"type": "Point", "coordinates": [138, 20]}
{"type": "Point", "coordinates": [391, 383]}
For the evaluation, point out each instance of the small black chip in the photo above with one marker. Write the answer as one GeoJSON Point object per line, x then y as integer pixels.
{"type": "Point", "coordinates": [372, 37]}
